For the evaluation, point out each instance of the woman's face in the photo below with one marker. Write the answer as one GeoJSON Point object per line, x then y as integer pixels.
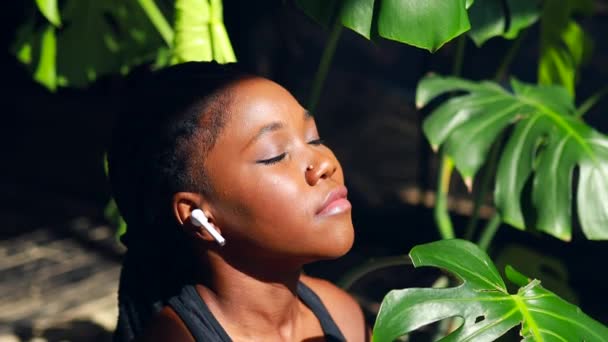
{"type": "Point", "coordinates": [278, 192]}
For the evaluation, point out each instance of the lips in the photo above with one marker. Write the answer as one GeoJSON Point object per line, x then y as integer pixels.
{"type": "Point", "coordinates": [335, 203]}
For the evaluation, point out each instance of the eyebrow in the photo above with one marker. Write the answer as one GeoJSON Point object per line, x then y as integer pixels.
{"type": "Point", "coordinates": [275, 126]}
{"type": "Point", "coordinates": [271, 127]}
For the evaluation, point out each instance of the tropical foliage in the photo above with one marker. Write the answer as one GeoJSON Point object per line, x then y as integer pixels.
{"type": "Point", "coordinates": [482, 301]}
{"type": "Point", "coordinates": [548, 141]}
{"type": "Point", "coordinates": [85, 39]}
{"type": "Point", "coordinates": [526, 142]}
{"type": "Point", "coordinates": [426, 24]}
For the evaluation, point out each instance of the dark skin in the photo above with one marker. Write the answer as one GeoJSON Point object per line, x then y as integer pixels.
{"type": "Point", "coordinates": [272, 183]}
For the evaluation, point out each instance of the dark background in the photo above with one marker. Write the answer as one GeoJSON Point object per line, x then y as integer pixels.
{"type": "Point", "coordinates": [52, 144]}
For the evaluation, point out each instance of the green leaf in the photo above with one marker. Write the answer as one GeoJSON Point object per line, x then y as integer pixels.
{"type": "Point", "coordinates": [357, 15]}
{"type": "Point", "coordinates": [425, 24]}
{"type": "Point", "coordinates": [26, 45]}
{"type": "Point", "coordinates": [548, 142]}
{"type": "Point", "coordinates": [564, 45]}
{"type": "Point", "coordinates": [482, 301]}
{"type": "Point", "coordinates": [45, 71]}
{"type": "Point", "coordinates": [96, 38]}
{"type": "Point", "coordinates": [50, 10]}
{"type": "Point", "coordinates": [102, 37]}
{"type": "Point", "coordinates": [37, 49]}
{"type": "Point", "coordinates": [222, 49]}
{"type": "Point", "coordinates": [489, 18]}
{"type": "Point", "coordinates": [522, 13]}
{"type": "Point", "coordinates": [200, 34]}
{"type": "Point", "coordinates": [192, 36]}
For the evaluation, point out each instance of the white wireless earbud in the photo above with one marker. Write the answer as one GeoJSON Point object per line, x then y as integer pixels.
{"type": "Point", "coordinates": [200, 220]}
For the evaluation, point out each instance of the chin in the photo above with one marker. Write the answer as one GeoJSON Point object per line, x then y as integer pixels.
{"type": "Point", "coordinates": [340, 242]}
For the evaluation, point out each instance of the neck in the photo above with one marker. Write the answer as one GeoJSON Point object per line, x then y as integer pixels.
{"type": "Point", "coordinates": [253, 298]}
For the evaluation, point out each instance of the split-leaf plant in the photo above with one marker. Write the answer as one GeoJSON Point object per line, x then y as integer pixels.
{"type": "Point", "coordinates": [74, 44]}
{"type": "Point", "coordinates": [482, 300]}
{"type": "Point", "coordinates": [530, 138]}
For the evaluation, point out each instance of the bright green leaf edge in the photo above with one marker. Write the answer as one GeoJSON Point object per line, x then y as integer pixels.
{"type": "Point", "coordinates": [50, 10]}
{"type": "Point", "coordinates": [486, 307]}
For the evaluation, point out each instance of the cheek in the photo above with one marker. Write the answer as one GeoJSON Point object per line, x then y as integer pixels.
{"type": "Point", "coordinates": [268, 199]}
{"type": "Point", "coordinates": [281, 197]}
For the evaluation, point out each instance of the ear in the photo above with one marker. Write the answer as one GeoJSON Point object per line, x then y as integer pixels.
{"type": "Point", "coordinates": [183, 205]}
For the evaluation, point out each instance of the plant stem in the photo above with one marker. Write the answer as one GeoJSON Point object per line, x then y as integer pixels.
{"type": "Point", "coordinates": [483, 189]}
{"type": "Point", "coordinates": [511, 53]}
{"type": "Point", "coordinates": [326, 58]}
{"type": "Point", "coordinates": [446, 166]}
{"type": "Point", "coordinates": [357, 273]}
{"type": "Point", "coordinates": [442, 215]}
{"type": "Point", "coordinates": [158, 20]}
{"type": "Point", "coordinates": [489, 232]}
{"type": "Point", "coordinates": [459, 56]}
{"type": "Point", "coordinates": [591, 101]}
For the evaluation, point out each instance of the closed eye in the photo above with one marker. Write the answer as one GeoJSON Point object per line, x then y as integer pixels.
{"type": "Point", "coordinates": [272, 160]}
{"type": "Point", "coordinates": [317, 142]}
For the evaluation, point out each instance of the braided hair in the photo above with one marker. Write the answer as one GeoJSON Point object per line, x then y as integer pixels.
{"type": "Point", "coordinates": [168, 118]}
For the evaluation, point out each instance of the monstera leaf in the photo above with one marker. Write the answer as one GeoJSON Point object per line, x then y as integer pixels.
{"type": "Point", "coordinates": [200, 34]}
{"type": "Point", "coordinates": [546, 145]}
{"type": "Point", "coordinates": [482, 301]}
{"type": "Point", "coordinates": [425, 24]}
{"type": "Point", "coordinates": [492, 18]}
{"type": "Point", "coordinates": [564, 45]}
{"type": "Point", "coordinates": [99, 37]}
{"type": "Point", "coordinates": [102, 37]}
{"type": "Point", "coordinates": [95, 38]}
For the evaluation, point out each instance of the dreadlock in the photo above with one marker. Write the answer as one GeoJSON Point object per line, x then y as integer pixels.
{"type": "Point", "coordinates": [169, 117]}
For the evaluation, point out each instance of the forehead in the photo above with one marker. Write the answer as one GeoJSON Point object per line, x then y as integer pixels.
{"type": "Point", "coordinates": [257, 102]}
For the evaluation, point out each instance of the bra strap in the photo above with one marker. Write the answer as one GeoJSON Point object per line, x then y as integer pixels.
{"type": "Point", "coordinates": [330, 329]}
{"type": "Point", "coordinates": [195, 314]}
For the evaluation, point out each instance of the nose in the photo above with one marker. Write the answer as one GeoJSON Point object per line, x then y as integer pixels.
{"type": "Point", "coordinates": [321, 167]}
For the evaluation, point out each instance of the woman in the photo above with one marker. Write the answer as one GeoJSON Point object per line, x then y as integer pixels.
{"type": "Point", "coordinates": [206, 139]}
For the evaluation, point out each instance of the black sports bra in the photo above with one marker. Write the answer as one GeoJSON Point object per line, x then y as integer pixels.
{"type": "Point", "coordinates": [195, 314]}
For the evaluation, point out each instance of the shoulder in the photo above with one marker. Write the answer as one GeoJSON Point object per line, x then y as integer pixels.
{"type": "Point", "coordinates": [343, 308]}
{"type": "Point", "coordinates": [166, 326]}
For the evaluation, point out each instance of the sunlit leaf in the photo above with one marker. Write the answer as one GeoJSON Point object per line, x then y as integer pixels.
{"type": "Point", "coordinates": [222, 48]}
{"type": "Point", "coordinates": [425, 24]}
{"type": "Point", "coordinates": [102, 37]}
{"type": "Point", "coordinates": [564, 45]}
{"type": "Point", "coordinates": [27, 43]}
{"type": "Point", "coordinates": [192, 36]}
{"type": "Point", "coordinates": [200, 34]}
{"type": "Point", "coordinates": [50, 10]}
{"type": "Point", "coordinates": [96, 38]}
{"type": "Point", "coordinates": [548, 142]}
{"type": "Point", "coordinates": [482, 301]}
{"type": "Point", "coordinates": [45, 71]}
